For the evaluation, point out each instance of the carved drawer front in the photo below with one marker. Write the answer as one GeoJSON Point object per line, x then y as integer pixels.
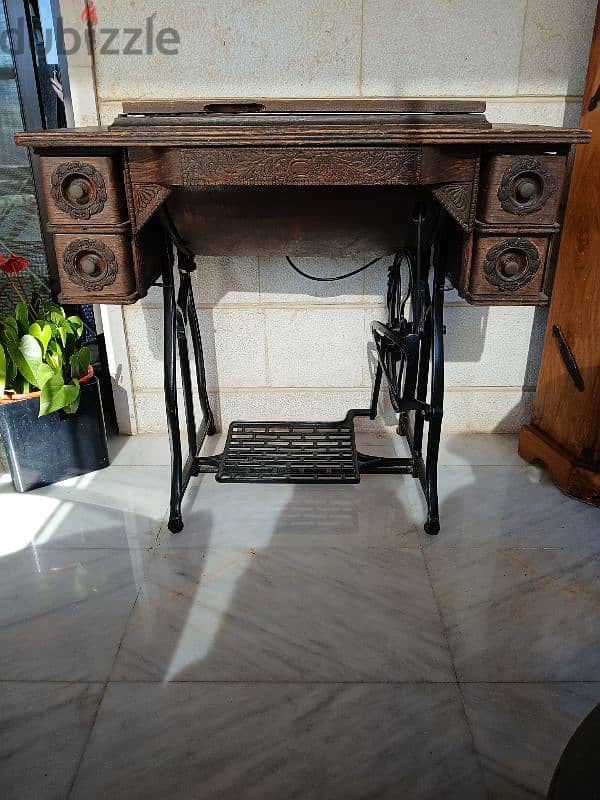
{"type": "Point", "coordinates": [312, 166]}
{"type": "Point", "coordinates": [521, 188]}
{"type": "Point", "coordinates": [94, 268]}
{"type": "Point", "coordinates": [86, 190]}
{"type": "Point", "coordinates": [508, 269]}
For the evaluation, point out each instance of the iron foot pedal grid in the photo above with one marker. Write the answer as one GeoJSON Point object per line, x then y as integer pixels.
{"type": "Point", "coordinates": [289, 452]}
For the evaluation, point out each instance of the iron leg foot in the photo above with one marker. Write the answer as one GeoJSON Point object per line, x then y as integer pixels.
{"type": "Point", "coordinates": [175, 524]}
{"type": "Point", "coordinates": [432, 526]}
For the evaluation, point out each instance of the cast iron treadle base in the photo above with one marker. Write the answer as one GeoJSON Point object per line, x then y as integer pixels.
{"type": "Point", "coordinates": [289, 452]}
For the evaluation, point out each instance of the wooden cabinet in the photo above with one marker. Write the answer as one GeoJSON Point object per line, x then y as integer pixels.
{"type": "Point", "coordinates": [565, 428]}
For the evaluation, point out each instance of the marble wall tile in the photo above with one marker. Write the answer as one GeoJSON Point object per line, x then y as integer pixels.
{"type": "Point", "coordinates": [285, 613]}
{"type": "Point", "coordinates": [233, 340]}
{"type": "Point", "coordinates": [497, 346]}
{"type": "Point", "coordinates": [45, 727]}
{"type": "Point", "coordinates": [465, 411]}
{"type": "Point", "coordinates": [280, 284]}
{"type": "Point", "coordinates": [531, 111]}
{"type": "Point", "coordinates": [486, 410]}
{"type": "Point", "coordinates": [226, 281]}
{"type": "Point", "coordinates": [274, 741]}
{"type": "Point", "coordinates": [436, 48]}
{"type": "Point", "coordinates": [315, 347]}
{"type": "Point", "coordinates": [556, 43]}
{"type": "Point", "coordinates": [520, 731]}
{"type": "Point", "coordinates": [234, 48]}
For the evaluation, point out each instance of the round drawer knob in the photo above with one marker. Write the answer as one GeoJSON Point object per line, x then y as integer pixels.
{"type": "Point", "coordinates": [526, 186]}
{"type": "Point", "coordinates": [510, 267]}
{"type": "Point", "coordinates": [525, 190]}
{"type": "Point", "coordinates": [78, 191]}
{"type": "Point", "coordinates": [90, 264]}
{"type": "Point", "coordinates": [511, 264]}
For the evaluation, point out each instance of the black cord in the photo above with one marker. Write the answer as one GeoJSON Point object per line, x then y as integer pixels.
{"type": "Point", "coordinates": [335, 278]}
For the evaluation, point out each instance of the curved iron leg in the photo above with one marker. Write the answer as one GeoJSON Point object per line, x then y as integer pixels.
{"type": "Point", "coordinates": [170, 354]}
{"type": "Point", "coordinates": [376, 390]}
{"type": "Point", "coordinates": [423, 372]}
{"type": "Point", "coordinates": [200, 370]}
{"type": "Point", "coordinates": [432, 526]}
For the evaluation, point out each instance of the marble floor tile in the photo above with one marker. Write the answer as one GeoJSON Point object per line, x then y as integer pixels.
{"type": "Point", "coordinates": [471, 449]}
{"type": "Point", "coordinates": [519, 615]}
{"type": "Point", "coordinates": [380, 509]}
{"type": "Point", "coordinates": [63, 612]}
{"type": "Point", "coordinates": [517, 507]}
{"type": "Point", "coordinates": [269, 742]}
{"type": "Point", "coordinates": [43, 731]}
{"type": "Point", "coordinates": [521, 730]}
{"type": "Point", "coordinates": [116, 507]}
{"type": "Point", "coordinates": [140, 450]}
{"type": "Point", "coordinates": [283, 613]}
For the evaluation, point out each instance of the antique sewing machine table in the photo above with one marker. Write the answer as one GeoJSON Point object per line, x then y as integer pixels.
{"type": "Point", "coordinates": [431, 185]}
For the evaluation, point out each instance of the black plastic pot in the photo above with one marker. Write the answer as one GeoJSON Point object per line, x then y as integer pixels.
{"type": "Point", "coordinates": [44, 450]}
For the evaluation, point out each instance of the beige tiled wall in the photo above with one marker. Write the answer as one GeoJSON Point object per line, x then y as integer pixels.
{"type": "Point", "coordinates": [276, 345]}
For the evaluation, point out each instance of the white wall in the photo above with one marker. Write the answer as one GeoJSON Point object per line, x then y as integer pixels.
{"type": "Point", "coordinates": [268, 355]}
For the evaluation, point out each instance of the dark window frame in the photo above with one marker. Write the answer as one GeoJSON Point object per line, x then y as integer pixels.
{"type": "Point", "coordinates": [30, 99]}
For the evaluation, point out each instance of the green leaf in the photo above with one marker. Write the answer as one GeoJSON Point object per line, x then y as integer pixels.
{"type": "Point", "coordinates": [27, 355]}
{"type": "Point", "coordinates": [56, 395]}
{"type": "Point", "coordinates": [75, 392]}
{"type": "Point", "coordinates": [44, 373]}
{"type": "Point", "coordinates": [54, 355]}
{"type": "Point", "coordinates": [43, 333]}
{"type": "Point", "coordinates": [76, 326]}
{"type": "Point", "coordinates": [11, 372]}
{"type": "Point", "coordinates": [57, 315]}
{"type": "Point", "coordinates": [2, 370]}
{"type": "Point", "coordinates": [10, 323]}
{"type": "Point", "coordinates": [79, 363]}
{"type": "Point", "coordinates": [22, 316]}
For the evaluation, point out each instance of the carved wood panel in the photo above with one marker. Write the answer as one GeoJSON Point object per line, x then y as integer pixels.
{"type": "Point", "coordinates": [147, 198]}
{"type": "Point", "coordinates": [314, 166]}
{"type": "Point", "coordinates": [456, 198]}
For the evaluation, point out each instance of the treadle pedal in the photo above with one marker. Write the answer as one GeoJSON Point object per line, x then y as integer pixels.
{"type": "Point", "coordinates": [289, 452]}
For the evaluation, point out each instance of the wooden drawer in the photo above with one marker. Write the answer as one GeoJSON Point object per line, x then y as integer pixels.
{"type": "Point", "coordinates": [94, 268]}
{"type": "Point", "coordinates": [83, 190]}
{"type": "Point", "coordinates": [508, 270]}
{"type": "Point", "coordinates": [521, 188]}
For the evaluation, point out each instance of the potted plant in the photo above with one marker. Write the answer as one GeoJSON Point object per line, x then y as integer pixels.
{"type": "Point", "coordinates": [51, 419]}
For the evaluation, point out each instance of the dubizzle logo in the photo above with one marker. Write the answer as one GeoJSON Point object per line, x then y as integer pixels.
{"type": "Point", "coordinates": [143, 40]}
{"type": "Point", "coordinates": [89, 13]}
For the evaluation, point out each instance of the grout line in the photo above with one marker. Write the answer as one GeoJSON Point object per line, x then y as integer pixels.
{"type": "Point", "coordinates": [275, 682]}
{"type": "Point", "coordinates": [361, 46]}
{"type": "Point", "coordinates": [453, 665]}
{"type": "Point", "coordinates": [102, 695]}
{"type": "Point", "coordinates": [522, 49]}
{"type": "Point", "coordinates": [508, 98]}
{"type": "Point", "coordinates": [259, 390]}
